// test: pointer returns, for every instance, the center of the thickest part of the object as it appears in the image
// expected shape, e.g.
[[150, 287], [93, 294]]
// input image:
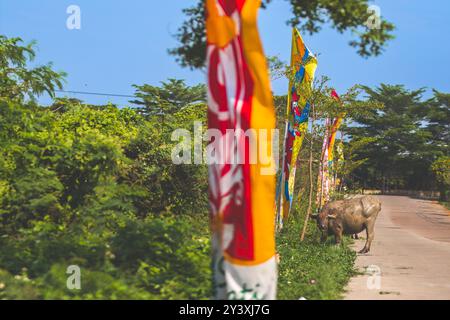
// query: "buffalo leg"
[[323, 237], [370, 234], [365, 250], [338, 235]]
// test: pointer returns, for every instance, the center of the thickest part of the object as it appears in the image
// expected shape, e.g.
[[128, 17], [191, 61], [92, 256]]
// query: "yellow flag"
[[303, 68]]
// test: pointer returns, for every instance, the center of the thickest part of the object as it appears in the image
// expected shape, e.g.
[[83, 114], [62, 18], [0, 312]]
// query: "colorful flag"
[[241, 192], [334, 129], [323, 181], [338, 165], [327, 172], [303, 66]]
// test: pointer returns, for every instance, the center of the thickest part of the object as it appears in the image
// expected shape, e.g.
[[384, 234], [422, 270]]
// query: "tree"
[[17, 81], [437, 115], [441, 168], [308, 15], [400, 154], [169, 98]]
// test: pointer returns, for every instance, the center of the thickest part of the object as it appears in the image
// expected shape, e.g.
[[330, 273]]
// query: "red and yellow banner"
[[334, 129], [323, 179], [327, 174], [241, 192], [303, 66]]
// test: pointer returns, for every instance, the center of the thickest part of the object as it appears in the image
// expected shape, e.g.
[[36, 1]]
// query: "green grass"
[[445, 204], [310, 269]]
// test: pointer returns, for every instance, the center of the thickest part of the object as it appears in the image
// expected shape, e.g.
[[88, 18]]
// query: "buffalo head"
[[322, 219]]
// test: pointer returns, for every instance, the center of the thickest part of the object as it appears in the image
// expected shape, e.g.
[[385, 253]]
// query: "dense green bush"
[[156, 258], [95, 187]]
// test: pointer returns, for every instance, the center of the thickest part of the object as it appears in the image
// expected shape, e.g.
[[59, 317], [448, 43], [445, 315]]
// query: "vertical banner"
[[327, 171], [303, 68], [241, 174], [334, 129], [322, 184], [332, 166], [338, 165]]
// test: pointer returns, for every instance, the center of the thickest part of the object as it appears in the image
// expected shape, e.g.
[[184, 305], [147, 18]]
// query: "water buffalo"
[[349, 217]]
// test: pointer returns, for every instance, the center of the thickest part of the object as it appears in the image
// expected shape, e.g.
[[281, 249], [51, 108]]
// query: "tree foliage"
[[441, 169], [408, 135], [17, 80], [169, 98], [308, 15], [92, 187], [437, 115]]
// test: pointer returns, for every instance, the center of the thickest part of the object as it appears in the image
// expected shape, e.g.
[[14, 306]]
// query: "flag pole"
[[281, 180], [283, 177]]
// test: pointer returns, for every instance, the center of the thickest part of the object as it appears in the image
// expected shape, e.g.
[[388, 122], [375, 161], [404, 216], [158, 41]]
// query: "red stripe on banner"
[[237, 212]]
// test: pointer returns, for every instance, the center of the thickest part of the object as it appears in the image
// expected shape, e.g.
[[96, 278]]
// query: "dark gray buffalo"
[[349, 217]]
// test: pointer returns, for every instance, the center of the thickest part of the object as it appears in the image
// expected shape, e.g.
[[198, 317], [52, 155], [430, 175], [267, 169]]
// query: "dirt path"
[[410, 256]]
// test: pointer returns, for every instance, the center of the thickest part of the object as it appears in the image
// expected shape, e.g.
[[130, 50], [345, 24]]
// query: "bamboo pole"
[[279, 215]]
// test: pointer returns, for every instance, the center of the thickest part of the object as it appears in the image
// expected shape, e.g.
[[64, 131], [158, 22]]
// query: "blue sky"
[[125, 42]]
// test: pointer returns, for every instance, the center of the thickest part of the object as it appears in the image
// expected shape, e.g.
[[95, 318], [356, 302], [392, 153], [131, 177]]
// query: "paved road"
[[410, 256]]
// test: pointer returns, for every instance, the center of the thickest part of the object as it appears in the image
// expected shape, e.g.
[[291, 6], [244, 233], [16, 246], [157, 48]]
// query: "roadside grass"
[[445, 204], [309, 269]]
